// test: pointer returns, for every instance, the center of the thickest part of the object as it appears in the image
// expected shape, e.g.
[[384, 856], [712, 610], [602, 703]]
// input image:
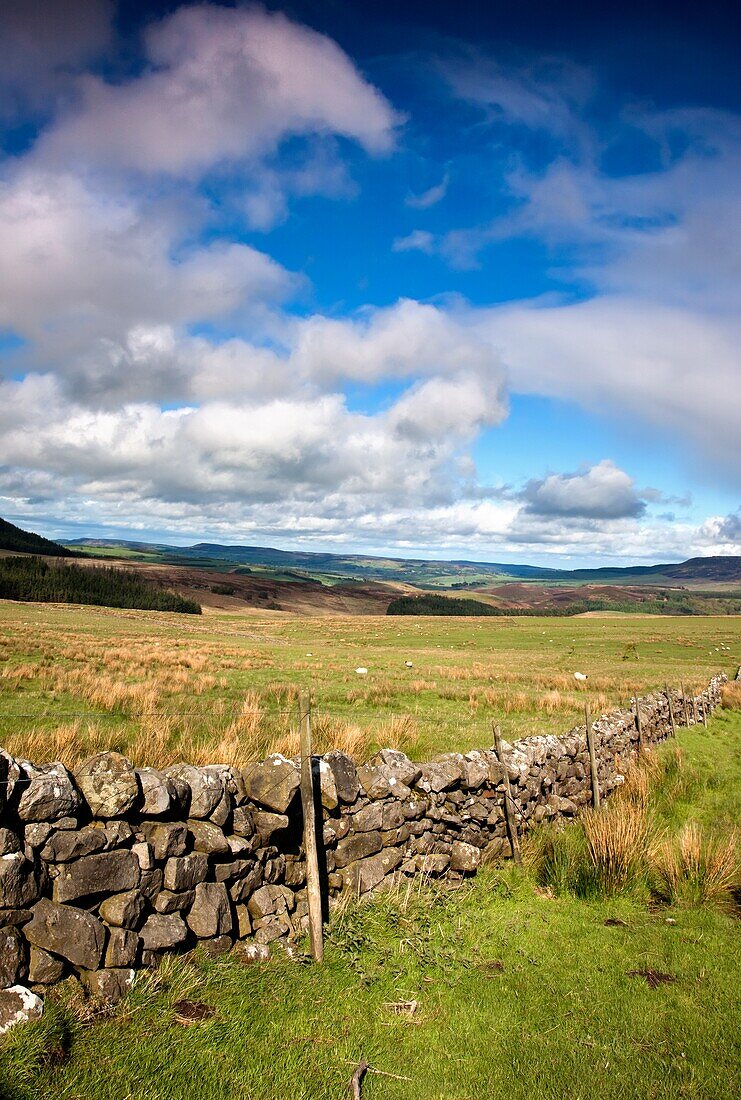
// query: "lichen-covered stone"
[[108, 986], [109, 784], [122, 947], [185, 872], [163, 930], [18, 1005], [9, 842], [266, 824], [12, 956], [50, 794], [206, 786], [157, 792], [64, 930], [210, 914], [208, 837], [103, 873], [272, 782], [61, 847], [44, 968], [464, 857], [345, 775], [123, 910], [18, 883], [357, 846]]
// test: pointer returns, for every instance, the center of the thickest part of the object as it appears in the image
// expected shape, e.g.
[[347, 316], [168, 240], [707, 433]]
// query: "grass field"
[[222, 687], [519, 993]]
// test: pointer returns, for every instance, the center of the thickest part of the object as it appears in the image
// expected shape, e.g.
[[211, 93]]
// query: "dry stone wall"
[[104, 869]]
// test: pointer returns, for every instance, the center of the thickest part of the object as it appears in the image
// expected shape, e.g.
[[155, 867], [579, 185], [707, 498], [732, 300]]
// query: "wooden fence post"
[[684, 706], [313, 885], [509, 808], [592, 759], [694, 708], [671, 710], [704, 711]]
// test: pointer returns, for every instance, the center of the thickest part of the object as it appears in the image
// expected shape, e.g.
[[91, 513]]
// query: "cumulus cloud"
[[45, 46], [601, 492], [221, 84]]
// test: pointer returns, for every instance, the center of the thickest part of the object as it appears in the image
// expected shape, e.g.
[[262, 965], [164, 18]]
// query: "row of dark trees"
[[671, 602], [32, 578]]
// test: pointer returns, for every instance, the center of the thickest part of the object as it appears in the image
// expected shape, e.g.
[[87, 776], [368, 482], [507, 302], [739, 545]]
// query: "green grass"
[[519, 995], [465, 673]]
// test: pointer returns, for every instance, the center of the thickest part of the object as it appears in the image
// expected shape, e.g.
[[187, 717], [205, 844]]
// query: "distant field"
[[222, 686]]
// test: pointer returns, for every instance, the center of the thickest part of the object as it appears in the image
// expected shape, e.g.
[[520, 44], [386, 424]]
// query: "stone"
[[327, 786], [106, 872], [433, 863], [163, 930], [374, 781], [249, 953], [397, 765], [144, 855], [266, 824], [345, 775], [122, 947], [366, 874], [9, 842], [108, 986], [44, 968], [157, 792], [208, 838], [393, 816], [18, 1005], [151, 882], [368, 819], [184, 872], [50, 794], [18, 884], [221, 814], [63, 930], [272, 928], [10, 773], [241, 890], [442, 774], [109, 784], [206, 787], [218, 945], [464, 857], [357, 846], [273, 782], [475, 768], [169, 902], [210, 914], [12, 956], [242, 823], [270, 899], [36, 833], [168, 838], [123, 910], [64, 846], [244, 922]]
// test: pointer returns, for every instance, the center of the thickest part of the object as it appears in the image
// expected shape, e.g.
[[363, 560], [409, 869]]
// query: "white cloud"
[[419, 240], [601, 492], [431, 196], [221, 85], [45, 44]]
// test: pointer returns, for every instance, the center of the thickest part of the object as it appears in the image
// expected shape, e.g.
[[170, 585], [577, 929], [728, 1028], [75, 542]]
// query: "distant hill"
[[25, 542], [421, 572]]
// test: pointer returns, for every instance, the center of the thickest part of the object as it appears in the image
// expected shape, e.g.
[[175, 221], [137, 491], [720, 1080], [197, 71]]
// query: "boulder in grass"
[[108, 986], [464, 857], [109, 784], [18, 1005]]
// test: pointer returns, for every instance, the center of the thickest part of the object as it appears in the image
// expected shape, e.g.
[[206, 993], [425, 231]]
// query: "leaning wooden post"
[[695, 715], [704, 711], [671, 710], [592, 758], [684, 706], [313, 885], [509, 807]]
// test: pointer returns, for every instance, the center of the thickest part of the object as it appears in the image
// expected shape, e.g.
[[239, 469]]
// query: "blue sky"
[[421, 278]]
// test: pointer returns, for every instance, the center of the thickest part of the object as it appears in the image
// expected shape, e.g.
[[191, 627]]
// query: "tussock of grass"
[[695, 868]]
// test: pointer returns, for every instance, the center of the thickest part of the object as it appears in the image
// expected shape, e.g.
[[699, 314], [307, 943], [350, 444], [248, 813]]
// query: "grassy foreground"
[[518, 994], [162, 687]]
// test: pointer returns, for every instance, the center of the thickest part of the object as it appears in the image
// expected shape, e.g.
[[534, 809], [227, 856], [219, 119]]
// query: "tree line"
[[34, 579]]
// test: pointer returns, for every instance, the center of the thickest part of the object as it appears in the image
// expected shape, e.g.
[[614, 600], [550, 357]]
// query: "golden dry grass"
[[696, 867]]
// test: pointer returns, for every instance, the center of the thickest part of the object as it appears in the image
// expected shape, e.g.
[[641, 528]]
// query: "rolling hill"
[[19, 541]]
